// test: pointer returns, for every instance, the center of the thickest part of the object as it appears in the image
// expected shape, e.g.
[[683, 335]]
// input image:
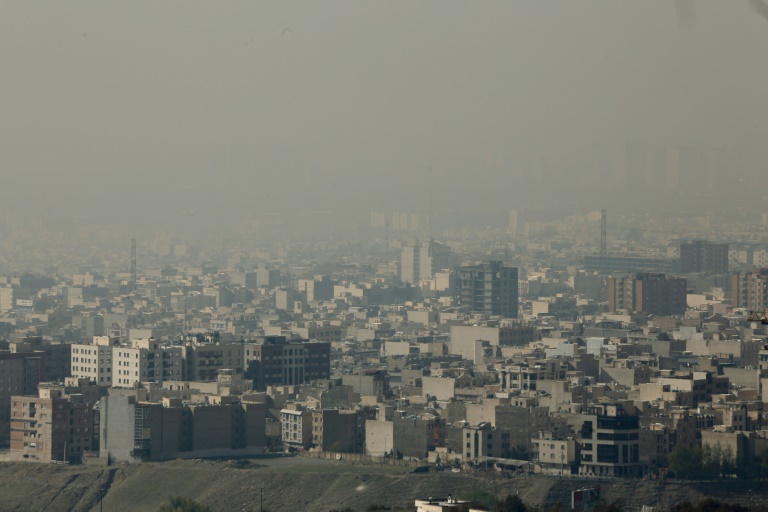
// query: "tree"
[[512, 503], [179, 504], [519, 452], [685, 462]]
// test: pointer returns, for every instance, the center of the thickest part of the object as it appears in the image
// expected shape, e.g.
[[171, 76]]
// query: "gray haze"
[[118, 112]]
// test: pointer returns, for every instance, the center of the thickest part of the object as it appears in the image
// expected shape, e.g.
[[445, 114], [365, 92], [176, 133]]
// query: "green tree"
[[519, 452], [686, 463], [512, 503], [179, 504]]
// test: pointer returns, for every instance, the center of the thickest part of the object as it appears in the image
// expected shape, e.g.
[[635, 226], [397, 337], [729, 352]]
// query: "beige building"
[[483, 441], [57, 425], [552, 455]]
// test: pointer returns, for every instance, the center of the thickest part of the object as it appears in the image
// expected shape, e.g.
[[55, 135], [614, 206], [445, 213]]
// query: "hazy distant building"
[[703, 256], [610, 263], [317, 289], [588, 285], [489, 288], [750, 289], [654, 294], [421, 261], [6, 298]]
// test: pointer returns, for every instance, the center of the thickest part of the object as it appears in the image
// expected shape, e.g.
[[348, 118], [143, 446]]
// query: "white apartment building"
[[92, 362], [296, 423], [146, 360]]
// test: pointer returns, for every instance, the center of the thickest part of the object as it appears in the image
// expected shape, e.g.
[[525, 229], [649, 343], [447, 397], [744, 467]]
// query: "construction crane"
[[758, 316]]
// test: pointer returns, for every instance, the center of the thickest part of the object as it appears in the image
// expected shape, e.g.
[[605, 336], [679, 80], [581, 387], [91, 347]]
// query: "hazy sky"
[[358, 105]]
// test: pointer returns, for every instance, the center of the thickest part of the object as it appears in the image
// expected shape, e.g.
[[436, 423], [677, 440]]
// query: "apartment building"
[[702, 385], [279, 362], [490, 288], [20, 374], [652, 294], [57, 355], [296, 423], [146, 360], [750, 289], [134, 430], [526, 376], [553, 455], [703, 256], [610, 442], [57, 425], [204, 360], [339, 430], [93, 361], [478, 442]]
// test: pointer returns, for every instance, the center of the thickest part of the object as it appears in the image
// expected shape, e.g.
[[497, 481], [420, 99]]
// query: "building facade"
[[490, 288], [653, 294], [703, 256], [279, 362]]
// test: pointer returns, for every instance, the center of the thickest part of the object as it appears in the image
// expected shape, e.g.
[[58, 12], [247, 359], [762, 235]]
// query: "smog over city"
[[501, 217]]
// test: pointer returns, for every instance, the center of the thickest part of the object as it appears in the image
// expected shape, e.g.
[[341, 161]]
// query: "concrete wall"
[[117, 415], [379, 437]]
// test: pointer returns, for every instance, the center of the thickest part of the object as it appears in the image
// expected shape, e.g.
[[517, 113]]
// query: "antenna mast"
[[603, 234], [133, 263]]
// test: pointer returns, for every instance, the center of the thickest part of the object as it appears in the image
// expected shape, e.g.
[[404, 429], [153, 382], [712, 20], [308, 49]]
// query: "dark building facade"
[[703, 256], [415, 437], [653, 294], [750, 289], [489, 288], [278, 362]]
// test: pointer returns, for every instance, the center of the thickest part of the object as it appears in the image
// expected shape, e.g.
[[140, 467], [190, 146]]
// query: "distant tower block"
[[512, 229], [133, 262], [603, 234]]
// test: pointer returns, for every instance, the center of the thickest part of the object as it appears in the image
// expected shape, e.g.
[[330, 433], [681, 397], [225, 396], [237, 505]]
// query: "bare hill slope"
[[297, 484]]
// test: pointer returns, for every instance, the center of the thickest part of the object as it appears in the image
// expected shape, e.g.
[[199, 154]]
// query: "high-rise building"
[[488, 288], [653, 294], [703, 256], [421, 261], [750, 289]]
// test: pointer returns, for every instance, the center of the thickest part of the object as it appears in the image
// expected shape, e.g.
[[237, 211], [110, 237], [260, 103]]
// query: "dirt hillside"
[[296, 484]]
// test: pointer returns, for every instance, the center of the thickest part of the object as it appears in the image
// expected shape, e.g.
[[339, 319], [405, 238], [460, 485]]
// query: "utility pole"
[[261, 498]]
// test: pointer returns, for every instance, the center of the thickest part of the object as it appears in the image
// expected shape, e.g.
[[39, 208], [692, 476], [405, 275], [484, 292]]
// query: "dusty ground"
[[298, 484]]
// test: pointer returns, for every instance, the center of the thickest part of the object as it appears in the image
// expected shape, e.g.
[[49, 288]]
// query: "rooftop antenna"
[[386, 250], [133, 263], [603, 234]]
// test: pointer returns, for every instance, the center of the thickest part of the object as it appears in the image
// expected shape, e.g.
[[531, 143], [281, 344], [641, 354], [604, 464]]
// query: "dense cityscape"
[[334, 256], [560, 347]]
